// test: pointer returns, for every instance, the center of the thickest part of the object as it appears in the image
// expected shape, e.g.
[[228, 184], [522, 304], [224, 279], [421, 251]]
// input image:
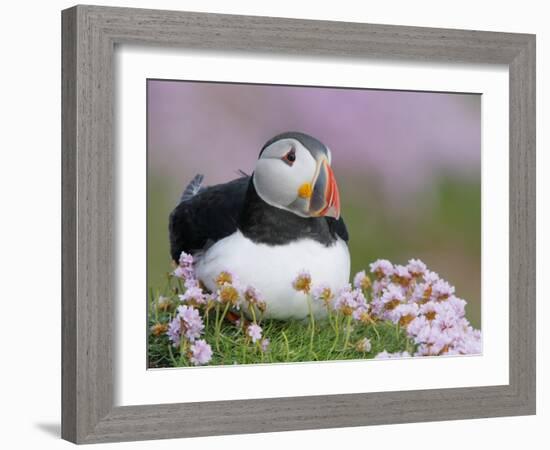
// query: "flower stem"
[[219, 324], [171, 354], [348, 332], [312, 323], [259, 345], [330, 316], [219, 321], [216, 331], [375, 328], [336, 331], [183, 348], [155, 304], [287, 346], [251, 307], [206, 317], [243, 355]]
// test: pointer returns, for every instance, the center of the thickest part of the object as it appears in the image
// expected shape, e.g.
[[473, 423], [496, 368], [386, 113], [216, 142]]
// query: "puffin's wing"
[[338, 227], [208, 215]]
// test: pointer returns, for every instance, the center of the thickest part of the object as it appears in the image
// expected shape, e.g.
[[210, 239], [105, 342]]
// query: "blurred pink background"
[[403, 138]]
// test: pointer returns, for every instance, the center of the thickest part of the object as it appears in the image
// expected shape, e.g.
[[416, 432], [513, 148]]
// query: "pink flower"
[[191, 283], [441, 290], [403, 313], [173, 332], [430, 277], [386, 355], [186, 260], [381, 268], [361, 280], [302, 282], [191, 322], [392, 296], [226, 277], [440, 343], [469, 343], [322, 292], [349, 300], [361, 313], [193, 294], [187, 322], [201, 352], [446, 319], [378, 286], [254, 331], [416, 267], [181, 272], [363, 346], [185, 268], [429, 310], [420, 325], [264, 343], [252, 295], [458, 305], [228, 293], [401, 273]]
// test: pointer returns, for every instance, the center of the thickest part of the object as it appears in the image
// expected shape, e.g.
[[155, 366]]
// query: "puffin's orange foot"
[[232, 317], [235, 318]]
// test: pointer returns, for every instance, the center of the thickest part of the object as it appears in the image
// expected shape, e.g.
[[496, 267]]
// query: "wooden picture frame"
[[90, 34]]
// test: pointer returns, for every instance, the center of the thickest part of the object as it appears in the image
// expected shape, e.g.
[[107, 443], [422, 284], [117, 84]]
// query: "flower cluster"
[[193, 294], [364, 345], [412, 297], [185, 267], [186, 328], [425, 305], [302, 282], [417, 301], [187, 324], [201, 353], [255, 332], [386, 355], [348, 301]]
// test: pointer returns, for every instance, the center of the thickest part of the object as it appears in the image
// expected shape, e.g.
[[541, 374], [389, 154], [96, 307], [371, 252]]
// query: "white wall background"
[[30, 206]]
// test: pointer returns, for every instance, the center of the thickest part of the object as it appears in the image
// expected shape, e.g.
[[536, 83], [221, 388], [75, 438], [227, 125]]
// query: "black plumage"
[[216, 212], [314, 146]]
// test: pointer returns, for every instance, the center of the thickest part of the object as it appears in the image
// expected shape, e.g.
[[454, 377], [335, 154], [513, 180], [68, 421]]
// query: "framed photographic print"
[[279, 224]]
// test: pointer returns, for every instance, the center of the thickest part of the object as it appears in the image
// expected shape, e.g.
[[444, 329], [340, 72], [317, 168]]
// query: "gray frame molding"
[[89, 36]]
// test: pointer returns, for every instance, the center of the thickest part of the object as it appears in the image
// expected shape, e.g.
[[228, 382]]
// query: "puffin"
[[268, 227]]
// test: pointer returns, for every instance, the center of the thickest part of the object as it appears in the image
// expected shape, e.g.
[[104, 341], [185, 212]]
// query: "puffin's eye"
[[290, 157]]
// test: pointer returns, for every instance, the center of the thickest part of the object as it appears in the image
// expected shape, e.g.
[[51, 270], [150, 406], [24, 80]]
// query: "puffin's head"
[[293, 173]]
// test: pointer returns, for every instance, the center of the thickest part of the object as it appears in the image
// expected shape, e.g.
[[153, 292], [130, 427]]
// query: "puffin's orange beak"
[[325, 200], [332, 195]]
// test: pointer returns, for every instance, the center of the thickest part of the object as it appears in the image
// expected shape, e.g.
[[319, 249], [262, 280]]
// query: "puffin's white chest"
[[272, 269]]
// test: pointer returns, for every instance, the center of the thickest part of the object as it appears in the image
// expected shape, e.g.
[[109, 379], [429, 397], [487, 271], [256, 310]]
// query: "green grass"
[[290, 341]]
